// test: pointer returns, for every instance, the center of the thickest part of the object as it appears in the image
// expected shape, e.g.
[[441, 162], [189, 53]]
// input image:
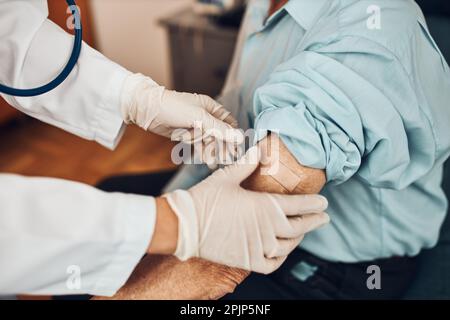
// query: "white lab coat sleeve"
[[33, 52], [60, 237]]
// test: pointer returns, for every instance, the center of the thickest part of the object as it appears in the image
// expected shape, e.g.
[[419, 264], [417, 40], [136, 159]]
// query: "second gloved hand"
[[162, 111], [221, 222]]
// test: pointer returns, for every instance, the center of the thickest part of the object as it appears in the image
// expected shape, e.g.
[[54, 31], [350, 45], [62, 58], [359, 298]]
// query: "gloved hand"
[[221, 222], [162, 111]]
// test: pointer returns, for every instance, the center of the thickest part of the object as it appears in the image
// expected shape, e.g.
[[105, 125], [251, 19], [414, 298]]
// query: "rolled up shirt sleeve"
[[348, 108]]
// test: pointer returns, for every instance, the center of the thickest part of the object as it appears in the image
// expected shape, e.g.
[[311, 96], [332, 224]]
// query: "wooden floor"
[[32, 148]]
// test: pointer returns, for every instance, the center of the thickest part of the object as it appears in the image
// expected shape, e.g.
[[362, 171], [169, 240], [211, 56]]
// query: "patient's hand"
[[167, 278], [158, 277]]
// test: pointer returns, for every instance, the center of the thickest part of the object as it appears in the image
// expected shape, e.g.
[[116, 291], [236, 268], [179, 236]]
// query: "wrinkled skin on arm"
[[167, 278], [164, 277]]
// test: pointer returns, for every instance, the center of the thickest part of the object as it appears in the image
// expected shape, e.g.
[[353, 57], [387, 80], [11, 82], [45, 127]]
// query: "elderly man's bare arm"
[[164, 277], [167, 278], [281, 173]]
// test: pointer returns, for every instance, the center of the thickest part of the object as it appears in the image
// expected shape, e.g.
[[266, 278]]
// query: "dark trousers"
[[321, 279], [328, 280]]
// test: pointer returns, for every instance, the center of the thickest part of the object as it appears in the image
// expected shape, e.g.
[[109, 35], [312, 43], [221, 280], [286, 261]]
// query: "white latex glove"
[[224, 223], [162, 111]]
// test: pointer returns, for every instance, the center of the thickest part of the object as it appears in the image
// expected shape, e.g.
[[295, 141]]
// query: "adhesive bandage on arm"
[[280, 172], [286, 177]]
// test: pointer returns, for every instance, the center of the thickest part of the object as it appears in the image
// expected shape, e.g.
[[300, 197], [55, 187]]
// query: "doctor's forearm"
[[87, 104], [103, 235], [165, 234]]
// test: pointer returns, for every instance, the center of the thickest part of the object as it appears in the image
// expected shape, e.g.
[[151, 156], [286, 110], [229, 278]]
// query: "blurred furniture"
[[201, 52], [433, 281], [58, 14]]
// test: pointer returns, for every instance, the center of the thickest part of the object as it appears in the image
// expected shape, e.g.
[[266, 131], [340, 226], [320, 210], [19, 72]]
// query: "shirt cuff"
[[110, 124], [139, 222]]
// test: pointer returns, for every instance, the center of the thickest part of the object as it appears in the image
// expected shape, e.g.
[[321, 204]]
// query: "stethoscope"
[[67, 69]]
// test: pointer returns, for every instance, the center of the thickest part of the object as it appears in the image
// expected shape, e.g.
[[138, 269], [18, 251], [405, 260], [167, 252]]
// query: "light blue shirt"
[[370, 106]]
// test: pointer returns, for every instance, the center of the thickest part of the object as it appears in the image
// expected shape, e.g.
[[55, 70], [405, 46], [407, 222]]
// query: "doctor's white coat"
[[56, 236]]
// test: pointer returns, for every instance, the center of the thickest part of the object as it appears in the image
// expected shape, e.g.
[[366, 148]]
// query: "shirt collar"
[[304, 12]]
